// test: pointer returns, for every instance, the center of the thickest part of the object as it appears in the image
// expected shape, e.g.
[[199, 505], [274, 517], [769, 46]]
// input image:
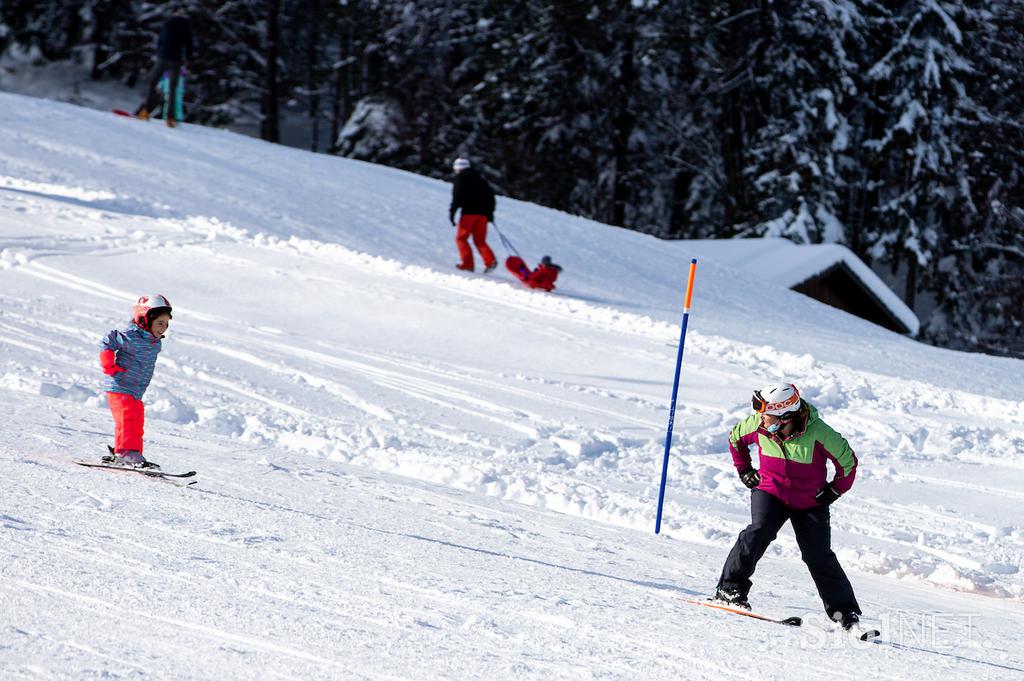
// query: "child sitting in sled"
[[543, 277]]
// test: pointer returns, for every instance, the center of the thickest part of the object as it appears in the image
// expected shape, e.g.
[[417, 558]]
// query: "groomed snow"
[[411, 473]]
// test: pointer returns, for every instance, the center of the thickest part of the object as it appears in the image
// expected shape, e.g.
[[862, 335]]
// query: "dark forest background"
[[895, 128]]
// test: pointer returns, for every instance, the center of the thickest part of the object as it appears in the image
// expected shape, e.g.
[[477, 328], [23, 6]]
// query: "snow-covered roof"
[[789, 264]]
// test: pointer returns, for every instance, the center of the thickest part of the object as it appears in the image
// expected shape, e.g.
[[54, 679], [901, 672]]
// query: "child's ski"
[[151, 472], [110, 458], [170, 478], [788, 621]]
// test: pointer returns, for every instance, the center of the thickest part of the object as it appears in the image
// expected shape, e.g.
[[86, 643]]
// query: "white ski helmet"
[[148, 307], [460, 163], [776, 399]]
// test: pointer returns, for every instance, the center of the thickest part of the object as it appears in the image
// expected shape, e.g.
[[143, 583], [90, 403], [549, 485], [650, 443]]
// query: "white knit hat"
[[460, 163]]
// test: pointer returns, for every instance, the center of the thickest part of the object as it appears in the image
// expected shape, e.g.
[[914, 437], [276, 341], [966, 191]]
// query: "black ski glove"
[[826, 496], [451, 218], [750, 478]]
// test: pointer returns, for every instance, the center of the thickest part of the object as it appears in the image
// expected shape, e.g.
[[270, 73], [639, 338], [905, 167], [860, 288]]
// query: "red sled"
[[543, 277]]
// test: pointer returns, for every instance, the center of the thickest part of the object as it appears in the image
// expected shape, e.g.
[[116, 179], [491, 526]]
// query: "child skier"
[[128, 358]]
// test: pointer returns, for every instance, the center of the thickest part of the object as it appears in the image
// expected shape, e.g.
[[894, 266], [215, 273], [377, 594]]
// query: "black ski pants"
[[813, 536], [153, 93]]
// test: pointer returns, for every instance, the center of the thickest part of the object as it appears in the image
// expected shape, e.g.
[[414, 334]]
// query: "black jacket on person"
[[175, 43], [472, 194]]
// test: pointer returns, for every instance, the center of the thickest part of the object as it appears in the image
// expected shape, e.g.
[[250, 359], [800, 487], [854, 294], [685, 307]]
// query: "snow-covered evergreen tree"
[[980, 267], [801, 164], [923, 185], [570, 96]]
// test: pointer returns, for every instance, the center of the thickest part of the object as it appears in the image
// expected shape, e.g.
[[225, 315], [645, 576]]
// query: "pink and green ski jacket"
[[793, 469]]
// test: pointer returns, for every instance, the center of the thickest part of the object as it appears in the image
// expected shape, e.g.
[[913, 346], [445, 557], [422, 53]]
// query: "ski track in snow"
[[469, 408]]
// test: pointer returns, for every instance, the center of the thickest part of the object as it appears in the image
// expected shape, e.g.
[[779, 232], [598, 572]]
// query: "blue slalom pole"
[[675, 393]]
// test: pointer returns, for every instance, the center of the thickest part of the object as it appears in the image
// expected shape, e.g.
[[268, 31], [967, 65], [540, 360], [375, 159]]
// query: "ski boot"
[[847, 620], [128, 458], [731, 597]]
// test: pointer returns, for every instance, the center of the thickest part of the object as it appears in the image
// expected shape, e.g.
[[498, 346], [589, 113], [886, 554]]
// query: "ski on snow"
[[150, 472], [788, 621], [859, 633], [864, 634]]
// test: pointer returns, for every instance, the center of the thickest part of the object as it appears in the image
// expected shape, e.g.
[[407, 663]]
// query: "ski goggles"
[[787, 416], [763, 406]]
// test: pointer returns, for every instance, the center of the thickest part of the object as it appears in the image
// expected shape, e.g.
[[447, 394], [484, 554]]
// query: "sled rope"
[[505, 242]]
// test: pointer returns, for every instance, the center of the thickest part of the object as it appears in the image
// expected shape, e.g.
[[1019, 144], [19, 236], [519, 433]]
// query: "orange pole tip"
[[689, 284]]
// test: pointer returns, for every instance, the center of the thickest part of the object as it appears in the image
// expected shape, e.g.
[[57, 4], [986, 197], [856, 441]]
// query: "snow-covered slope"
[[408, 472]]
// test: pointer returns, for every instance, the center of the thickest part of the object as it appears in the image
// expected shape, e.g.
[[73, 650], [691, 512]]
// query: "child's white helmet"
[[148, 307]]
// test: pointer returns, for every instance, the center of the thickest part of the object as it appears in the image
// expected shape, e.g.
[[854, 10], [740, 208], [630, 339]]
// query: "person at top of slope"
[[174, 50], [794, 445], [128, 358], [474, 196]]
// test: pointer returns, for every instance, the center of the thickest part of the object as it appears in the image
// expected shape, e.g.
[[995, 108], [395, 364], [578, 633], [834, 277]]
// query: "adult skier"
[[174, 50], [794, 445], [474, 196]]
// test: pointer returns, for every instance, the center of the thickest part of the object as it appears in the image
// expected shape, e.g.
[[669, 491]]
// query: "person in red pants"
[[128, 358], [472, 194]]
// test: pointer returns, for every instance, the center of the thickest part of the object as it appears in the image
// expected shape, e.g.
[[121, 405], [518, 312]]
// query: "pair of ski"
[[860, 634], [153, 471]]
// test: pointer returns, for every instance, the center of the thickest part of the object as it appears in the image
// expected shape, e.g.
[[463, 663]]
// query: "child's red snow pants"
[[129, 417]]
